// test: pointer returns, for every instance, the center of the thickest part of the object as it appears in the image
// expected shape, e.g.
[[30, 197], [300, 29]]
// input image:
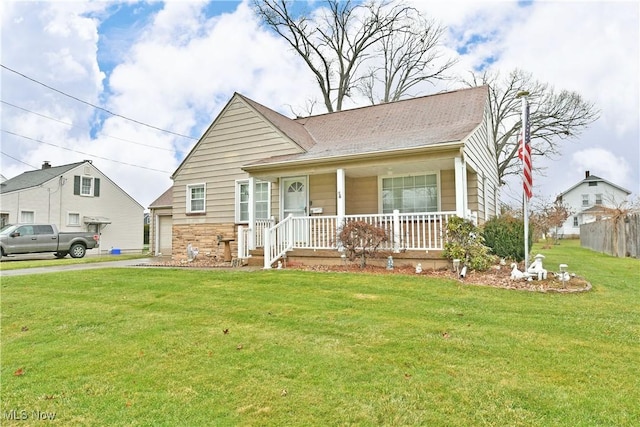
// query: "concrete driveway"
[[59, 268]]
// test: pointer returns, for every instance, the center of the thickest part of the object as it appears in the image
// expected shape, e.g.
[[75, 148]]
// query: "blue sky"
[[175, 64]]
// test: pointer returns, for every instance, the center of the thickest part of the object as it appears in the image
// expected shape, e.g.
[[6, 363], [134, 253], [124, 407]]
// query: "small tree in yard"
[[465, 243], [361, 240], [547, 218]]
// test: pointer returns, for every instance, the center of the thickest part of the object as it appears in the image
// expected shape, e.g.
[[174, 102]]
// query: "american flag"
[[524, 153]]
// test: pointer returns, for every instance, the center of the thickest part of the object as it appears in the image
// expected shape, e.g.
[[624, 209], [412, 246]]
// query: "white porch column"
[[461, 187], [340, 195], [396, 231], [251, 240]]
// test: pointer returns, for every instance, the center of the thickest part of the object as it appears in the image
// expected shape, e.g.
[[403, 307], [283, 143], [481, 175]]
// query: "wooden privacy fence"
[[618, 237]]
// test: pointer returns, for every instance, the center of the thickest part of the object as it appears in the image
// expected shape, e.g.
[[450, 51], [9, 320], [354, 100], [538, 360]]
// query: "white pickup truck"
[[38, 238]]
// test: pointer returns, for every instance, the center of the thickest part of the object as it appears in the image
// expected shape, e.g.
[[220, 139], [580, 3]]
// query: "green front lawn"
[[147, 347]]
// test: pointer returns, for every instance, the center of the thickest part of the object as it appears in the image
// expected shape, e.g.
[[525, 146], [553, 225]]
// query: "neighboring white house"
[[586, 201], [74, 197]]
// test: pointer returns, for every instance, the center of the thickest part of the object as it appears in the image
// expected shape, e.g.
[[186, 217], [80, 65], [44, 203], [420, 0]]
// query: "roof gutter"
[[440, 147]]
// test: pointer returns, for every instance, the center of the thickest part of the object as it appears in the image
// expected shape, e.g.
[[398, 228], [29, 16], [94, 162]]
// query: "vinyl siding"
[[54, 200], [611, 197], [447, 190], [237, 137], [362, 195], [480, 157], [322, 193]]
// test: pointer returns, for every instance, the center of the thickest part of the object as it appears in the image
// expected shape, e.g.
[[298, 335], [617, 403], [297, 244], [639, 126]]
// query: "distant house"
[[74, 197], [588, 200], [272, 186]]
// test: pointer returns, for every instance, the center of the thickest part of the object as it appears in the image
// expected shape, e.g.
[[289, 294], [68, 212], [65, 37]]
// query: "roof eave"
[[444, 146]]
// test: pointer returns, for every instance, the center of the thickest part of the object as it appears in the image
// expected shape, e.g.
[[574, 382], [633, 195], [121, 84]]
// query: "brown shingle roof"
[[289, 127], [411, 123], [165, 199]]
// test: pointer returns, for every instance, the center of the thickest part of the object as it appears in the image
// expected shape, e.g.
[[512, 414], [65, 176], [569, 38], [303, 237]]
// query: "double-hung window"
[[73, 218], [27, 217], [585, 200], [86, 186], [260, 199], [196, 198], [410, 193]]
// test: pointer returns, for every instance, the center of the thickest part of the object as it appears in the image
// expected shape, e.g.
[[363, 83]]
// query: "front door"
[[294, 202]]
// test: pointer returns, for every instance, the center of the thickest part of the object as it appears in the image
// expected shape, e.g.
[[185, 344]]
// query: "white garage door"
[[164, 231]]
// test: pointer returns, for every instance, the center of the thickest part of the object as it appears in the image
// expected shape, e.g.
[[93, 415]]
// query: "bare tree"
[[553, 116], [338, 41], [547, 217], [409, 56]]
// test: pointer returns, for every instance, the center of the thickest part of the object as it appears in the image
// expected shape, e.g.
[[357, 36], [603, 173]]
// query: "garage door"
[[164, 231]]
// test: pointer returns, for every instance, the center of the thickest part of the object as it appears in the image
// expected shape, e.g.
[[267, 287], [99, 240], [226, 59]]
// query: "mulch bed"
[[497, 276]]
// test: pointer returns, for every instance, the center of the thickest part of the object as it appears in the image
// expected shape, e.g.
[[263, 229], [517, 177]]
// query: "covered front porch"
[[410, 198]]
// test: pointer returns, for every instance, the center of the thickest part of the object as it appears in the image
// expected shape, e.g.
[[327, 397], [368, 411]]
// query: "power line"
[[17, 160], [84, 128], [95, 106], [81, 152]]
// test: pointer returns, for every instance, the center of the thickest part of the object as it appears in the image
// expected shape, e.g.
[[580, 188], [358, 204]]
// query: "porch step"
[[431, 260]]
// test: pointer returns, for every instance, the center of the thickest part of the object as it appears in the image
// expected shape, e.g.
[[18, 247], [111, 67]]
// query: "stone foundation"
[[205, 238]]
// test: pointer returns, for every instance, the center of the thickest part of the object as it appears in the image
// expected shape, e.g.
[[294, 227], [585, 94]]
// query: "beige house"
[[75, 197], [271, 187]]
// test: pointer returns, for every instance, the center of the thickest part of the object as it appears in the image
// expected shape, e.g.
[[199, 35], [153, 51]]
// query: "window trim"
[[189, 200], [426, 173], [90, 193], [238, 185], [33, 213], [585, 200], [69, 223], [94, 189]]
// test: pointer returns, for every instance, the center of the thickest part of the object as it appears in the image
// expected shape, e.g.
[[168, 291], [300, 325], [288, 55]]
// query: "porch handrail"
[[278, 240], [407, 231], [243, 242]]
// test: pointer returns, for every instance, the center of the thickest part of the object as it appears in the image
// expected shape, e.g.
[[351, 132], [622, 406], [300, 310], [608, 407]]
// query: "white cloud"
[[603, 163], [177, 68]]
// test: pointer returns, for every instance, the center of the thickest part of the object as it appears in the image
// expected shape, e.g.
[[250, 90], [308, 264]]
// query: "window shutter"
[[76, 185], [96, 187]]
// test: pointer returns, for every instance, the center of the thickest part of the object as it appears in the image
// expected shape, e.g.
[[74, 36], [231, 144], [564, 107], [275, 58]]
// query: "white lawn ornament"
[[515, 273], [192, 253], [418, 268], [536, 268], [564, 275]]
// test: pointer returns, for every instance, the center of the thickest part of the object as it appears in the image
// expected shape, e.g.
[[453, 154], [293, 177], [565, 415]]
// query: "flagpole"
[[525, 200]]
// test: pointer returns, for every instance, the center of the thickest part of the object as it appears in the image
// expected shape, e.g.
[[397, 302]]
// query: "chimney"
[[46, 165], [586, 174]]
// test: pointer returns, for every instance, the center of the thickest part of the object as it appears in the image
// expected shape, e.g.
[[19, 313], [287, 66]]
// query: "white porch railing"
[[408, 231], [244, 245]]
